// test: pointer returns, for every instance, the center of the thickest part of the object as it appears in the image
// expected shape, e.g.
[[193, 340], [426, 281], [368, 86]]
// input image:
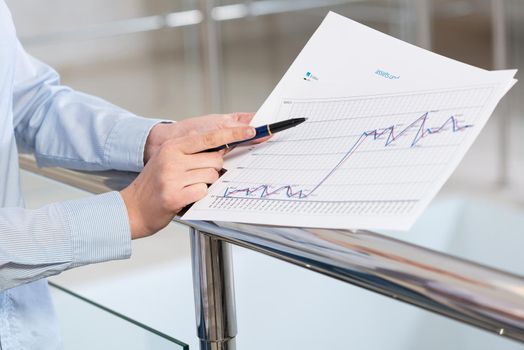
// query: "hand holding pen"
[[263, 131]]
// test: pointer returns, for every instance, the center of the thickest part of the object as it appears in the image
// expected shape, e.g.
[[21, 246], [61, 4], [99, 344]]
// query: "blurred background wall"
[[181, 58]]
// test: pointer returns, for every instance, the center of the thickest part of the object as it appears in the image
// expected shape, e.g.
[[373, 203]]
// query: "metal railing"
[[196, 16], [471, 293]]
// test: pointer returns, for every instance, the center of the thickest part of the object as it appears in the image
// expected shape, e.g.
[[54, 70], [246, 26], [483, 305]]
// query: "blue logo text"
[[386, 75]]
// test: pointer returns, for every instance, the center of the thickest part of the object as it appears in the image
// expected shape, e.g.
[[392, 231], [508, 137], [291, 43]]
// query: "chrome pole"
[[500, 61], [423, 20], [212, 53], [413, 21], [214, 291]]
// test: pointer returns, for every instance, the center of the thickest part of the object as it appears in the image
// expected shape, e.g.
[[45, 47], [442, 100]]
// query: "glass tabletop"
[[88, 325]]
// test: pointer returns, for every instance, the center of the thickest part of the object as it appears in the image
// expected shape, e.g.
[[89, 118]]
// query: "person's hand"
[[175, 176], [161, 133]]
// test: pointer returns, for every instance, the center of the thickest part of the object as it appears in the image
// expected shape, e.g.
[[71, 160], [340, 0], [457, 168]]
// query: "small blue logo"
[[386, 75], [309, 76]]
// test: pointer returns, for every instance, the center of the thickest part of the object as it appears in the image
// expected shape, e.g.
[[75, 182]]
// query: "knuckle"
[[169, 148], [201, 191], [177, 158], [168, 145], [182, 200], [220, 162], [231, 116], [237, 133], [218, 158], [192, 194], [213, 175], [198, 191], [178, 203], [177, 199], [215, 160], [209, 139]]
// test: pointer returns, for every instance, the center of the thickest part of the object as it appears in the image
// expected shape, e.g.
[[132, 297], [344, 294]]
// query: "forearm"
[[67, 128], [78, 131], [44, 242]]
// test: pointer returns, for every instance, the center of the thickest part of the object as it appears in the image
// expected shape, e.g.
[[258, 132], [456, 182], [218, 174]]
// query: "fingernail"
[[250, 132]]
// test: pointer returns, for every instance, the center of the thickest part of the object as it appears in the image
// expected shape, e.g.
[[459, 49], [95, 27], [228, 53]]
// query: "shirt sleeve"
[[67, 128], [44, 242]]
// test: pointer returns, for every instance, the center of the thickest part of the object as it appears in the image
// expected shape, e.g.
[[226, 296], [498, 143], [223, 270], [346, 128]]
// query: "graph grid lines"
[[361, 155]]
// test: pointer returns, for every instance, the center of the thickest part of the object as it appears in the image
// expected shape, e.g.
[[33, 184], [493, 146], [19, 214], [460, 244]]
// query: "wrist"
[[157, 136], [150, 146], [136, 224]]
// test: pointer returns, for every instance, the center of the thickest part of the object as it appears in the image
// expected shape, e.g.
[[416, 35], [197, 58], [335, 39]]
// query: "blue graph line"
[[423, 131]]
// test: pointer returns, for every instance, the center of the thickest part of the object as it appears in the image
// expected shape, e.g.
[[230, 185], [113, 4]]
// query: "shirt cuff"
[[99, 228], [125, 145]]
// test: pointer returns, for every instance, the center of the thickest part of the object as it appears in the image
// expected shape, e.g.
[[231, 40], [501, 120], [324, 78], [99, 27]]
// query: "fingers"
[[212, 160], [244, 118], [198, 143], [194, 193], [263, 139], [254, 142], [205, 176]]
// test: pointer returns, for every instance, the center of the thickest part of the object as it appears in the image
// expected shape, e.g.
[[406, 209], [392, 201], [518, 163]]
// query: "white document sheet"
[[387, 124]]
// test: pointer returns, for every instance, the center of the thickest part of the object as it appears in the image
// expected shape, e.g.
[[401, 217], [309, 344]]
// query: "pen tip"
[[298, 120]]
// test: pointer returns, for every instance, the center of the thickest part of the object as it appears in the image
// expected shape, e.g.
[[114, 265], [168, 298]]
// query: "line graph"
[[265, 190], [373, 148], [356, 160]]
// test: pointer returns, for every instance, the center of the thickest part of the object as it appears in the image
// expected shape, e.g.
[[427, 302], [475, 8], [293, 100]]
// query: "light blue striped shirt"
[[63, 128]]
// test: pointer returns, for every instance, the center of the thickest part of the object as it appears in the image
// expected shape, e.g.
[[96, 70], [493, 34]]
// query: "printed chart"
[[364, 157]]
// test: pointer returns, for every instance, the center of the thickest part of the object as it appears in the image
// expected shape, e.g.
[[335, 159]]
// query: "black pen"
[[263, 131]]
